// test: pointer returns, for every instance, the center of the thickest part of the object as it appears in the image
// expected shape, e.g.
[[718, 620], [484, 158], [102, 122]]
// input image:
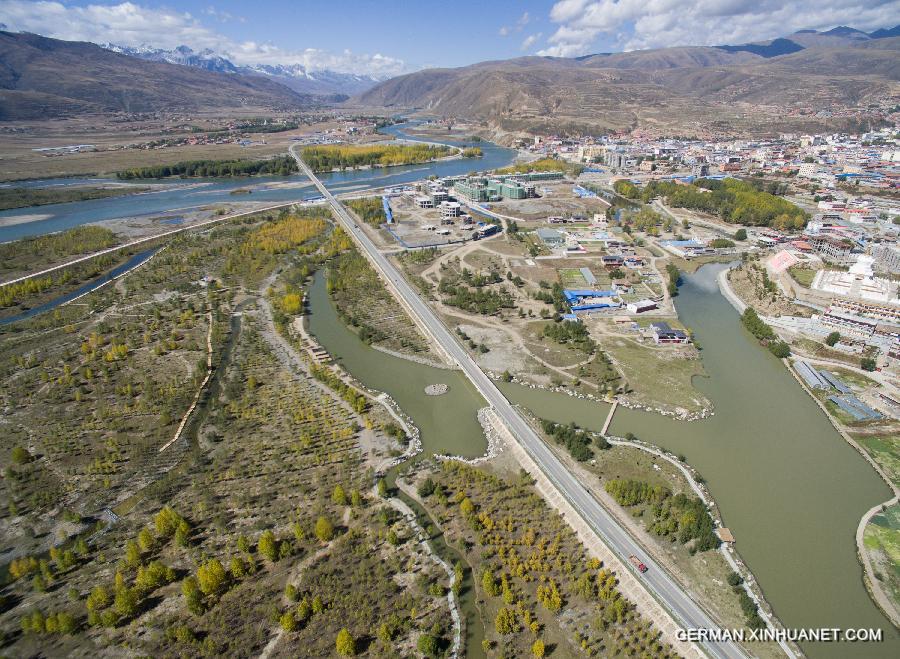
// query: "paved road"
[[679, 604]]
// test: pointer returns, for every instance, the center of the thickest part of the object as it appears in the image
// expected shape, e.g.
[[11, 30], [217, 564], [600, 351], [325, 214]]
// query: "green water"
[[787, 484], [447, 423]]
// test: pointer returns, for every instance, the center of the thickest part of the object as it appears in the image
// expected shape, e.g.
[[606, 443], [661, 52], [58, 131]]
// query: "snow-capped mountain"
[[294, 76]]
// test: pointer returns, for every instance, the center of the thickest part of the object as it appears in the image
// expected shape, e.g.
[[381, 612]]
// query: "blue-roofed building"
[[834, 382], [855, 407], [579, 297], [811, 376]]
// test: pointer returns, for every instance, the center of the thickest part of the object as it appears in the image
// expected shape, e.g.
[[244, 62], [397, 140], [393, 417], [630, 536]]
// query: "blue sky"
[[388, 37]]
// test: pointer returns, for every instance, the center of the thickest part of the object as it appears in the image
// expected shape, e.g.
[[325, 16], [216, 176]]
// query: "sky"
[[389, 37]]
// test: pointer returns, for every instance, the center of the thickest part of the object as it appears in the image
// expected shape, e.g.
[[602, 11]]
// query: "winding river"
[[182, 195]]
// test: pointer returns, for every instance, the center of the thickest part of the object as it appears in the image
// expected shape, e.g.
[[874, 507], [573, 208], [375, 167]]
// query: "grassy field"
[[572, 278], [658, 377], [882, 533], [882, 540], [556, 354], [803, 276]]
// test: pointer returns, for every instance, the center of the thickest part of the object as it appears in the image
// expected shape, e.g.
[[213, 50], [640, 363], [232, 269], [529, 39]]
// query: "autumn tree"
[[324, 529], [192, 595], [338, 496], [345, 644], [267, 546], [211, 577], [288, 621]]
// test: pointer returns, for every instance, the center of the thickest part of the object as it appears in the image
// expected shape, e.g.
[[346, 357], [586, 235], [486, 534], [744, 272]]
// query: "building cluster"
[[478, 189], [830, 161]]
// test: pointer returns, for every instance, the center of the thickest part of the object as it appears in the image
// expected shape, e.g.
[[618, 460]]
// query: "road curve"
[[685, 611]]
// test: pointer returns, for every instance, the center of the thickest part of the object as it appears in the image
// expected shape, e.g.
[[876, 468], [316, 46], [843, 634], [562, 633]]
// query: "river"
[[787, 484], [133, 262], [183, 195]]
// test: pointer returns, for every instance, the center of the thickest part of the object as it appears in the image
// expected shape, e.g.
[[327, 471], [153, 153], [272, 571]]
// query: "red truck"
[[637, 563]]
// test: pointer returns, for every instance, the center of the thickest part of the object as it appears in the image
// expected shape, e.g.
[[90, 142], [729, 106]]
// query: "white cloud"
[[518, 26], [530, 40], [636, 24], [131, 24]]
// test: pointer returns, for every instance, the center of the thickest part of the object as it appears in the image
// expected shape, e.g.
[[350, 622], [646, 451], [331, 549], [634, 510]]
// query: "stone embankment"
[[490, 424], [682, 415]]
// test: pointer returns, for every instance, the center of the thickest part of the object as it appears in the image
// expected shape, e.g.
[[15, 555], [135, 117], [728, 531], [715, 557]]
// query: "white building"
[[450, 209]]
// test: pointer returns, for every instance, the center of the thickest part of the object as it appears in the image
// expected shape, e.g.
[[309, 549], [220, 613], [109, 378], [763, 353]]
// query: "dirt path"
[[292, 577], [419, 533]]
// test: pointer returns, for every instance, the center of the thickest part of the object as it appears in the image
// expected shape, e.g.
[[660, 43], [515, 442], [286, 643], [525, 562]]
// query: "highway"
[[683, 609]]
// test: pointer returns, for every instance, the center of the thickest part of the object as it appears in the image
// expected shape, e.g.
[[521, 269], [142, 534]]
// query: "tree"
[[466, 507], [237, 568], [338, 496], [126, 602], [211, 577], [288, 621], [324, 529], [385, 635], [505, 622], [132, 554], [267, 546], [867, 364], [426, 487], [192, 595], [780, 349], [537, 648], [243, 544], [427, 645], [382, 488], [344, 643], [740, 234], [489, 583], [167, 522], [65, 622], [20, 455], [146, 539], [98, 599], [833, 338], [183, 534]]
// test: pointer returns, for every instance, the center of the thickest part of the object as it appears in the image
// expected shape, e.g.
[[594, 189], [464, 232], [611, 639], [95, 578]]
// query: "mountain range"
[[811, 81], [295, 76], [45, 78], [807, 81]]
